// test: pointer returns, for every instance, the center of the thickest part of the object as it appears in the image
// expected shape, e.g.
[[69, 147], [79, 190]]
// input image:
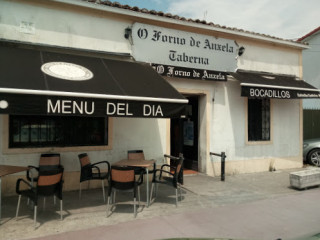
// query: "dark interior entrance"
[[184, 134]]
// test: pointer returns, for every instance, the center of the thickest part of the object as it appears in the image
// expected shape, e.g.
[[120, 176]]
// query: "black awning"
[[267, 85], [49, 83]]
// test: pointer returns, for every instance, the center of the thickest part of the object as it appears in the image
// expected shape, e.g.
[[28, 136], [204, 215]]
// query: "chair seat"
[[35, 179], [29, 193], [102, 175], [139, 170], [165, 180]]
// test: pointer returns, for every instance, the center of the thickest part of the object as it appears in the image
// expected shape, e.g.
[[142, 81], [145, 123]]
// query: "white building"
[[257, 135], [311, 74], [311, 71]]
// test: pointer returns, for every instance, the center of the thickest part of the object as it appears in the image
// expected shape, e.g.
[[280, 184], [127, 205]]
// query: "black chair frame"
[[124, 186], [174, 178], [87, 173], [50, 186], [30, 176]]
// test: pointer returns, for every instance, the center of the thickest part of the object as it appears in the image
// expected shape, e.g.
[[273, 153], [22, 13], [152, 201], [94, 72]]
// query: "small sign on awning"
[[267, 85]]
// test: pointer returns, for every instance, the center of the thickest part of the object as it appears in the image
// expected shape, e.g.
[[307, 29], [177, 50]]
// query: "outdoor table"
[[6, 170], [138, 163]]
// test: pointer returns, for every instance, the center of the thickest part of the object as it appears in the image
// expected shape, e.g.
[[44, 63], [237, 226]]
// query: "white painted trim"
[[278, 87], [90, 95]]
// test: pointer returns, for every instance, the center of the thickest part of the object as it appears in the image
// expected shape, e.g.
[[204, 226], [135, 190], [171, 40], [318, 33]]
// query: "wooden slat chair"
[[137, 155], [48, 161], [49, 183], [123, 179], [172, 177]]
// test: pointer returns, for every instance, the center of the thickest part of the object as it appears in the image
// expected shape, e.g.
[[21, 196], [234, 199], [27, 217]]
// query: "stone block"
[[306, 178]]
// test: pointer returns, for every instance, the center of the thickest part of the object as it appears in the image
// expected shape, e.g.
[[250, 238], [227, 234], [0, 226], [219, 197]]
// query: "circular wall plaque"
[[4, 104], [67, 71]]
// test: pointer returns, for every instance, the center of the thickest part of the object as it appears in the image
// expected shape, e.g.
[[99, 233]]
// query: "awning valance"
[[49, 83], [267, 85]]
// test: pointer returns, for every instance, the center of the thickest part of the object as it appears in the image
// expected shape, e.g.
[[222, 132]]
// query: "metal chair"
[[123, 179], [173, 177], [48, 161], [137, 155], [49, 183], [88, 174]]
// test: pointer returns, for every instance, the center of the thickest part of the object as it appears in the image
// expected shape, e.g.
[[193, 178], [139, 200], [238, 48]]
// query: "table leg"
[[147, 185]]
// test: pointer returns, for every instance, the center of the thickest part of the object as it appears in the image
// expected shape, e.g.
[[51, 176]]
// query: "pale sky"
[[288, 19]]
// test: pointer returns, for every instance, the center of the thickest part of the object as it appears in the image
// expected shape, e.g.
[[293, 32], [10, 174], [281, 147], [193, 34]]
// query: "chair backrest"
[[50, 182], [136, 155], [84, 159], [49, 161], [86, 169], [122, 178]]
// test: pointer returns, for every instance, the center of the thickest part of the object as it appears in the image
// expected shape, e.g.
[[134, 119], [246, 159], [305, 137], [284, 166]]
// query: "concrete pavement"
[[246, 206]]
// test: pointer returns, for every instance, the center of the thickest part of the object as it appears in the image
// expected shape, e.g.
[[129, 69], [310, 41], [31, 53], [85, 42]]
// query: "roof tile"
[[169, 15]]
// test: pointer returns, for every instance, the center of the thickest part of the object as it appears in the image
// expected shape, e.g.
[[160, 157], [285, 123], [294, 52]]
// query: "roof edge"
[[117, 8], [309, 34]]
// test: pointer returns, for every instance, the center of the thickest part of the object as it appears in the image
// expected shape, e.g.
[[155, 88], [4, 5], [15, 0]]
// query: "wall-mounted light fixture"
[[241, 51], [128, 34]]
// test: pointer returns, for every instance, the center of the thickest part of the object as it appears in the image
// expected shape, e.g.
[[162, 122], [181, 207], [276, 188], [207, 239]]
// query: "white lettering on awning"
[[70, 107]]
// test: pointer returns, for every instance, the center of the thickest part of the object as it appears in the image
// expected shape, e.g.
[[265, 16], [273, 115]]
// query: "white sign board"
[[178, 48]]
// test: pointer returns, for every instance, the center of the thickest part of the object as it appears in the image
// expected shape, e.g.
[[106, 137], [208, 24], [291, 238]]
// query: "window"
[[259, 119], [52, 131]]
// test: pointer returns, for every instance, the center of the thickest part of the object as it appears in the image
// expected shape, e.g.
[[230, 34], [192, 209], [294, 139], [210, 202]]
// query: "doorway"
[[184, 134]]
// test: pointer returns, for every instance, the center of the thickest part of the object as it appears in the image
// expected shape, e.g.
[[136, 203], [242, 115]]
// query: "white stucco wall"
[[60, 25], [284, 122], [311, 68], [139, 133], [268, 58], [311, 59], [229, 128]]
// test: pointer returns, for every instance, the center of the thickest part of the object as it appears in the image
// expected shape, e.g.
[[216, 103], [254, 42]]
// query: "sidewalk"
[[246, 206]]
